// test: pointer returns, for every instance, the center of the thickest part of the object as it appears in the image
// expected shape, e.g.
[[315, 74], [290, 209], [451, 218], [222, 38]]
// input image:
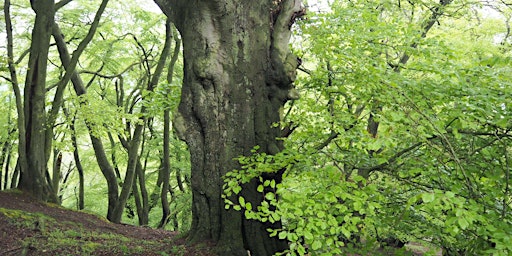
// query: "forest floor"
[[28, 227]]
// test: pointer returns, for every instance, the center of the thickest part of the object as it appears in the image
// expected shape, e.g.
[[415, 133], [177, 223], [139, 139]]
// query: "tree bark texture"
[[238, 73], [33, 160]]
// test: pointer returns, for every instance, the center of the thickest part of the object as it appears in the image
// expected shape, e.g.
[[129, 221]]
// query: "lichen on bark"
[[238, 73]]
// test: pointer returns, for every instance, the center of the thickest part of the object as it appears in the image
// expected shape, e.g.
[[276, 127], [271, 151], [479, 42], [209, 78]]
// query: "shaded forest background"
[[402, 131]]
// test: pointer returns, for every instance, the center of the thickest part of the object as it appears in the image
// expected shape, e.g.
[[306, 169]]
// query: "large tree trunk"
[[32, 154], [238, 73]]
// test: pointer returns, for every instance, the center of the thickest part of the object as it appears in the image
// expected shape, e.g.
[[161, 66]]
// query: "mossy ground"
[[28, 227]]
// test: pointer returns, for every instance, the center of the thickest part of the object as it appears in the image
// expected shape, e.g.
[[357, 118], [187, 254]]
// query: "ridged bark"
[[238, 73]]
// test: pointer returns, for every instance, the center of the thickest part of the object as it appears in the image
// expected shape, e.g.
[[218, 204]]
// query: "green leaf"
[[283, 234], [463, 223], [428, 197], [308, 235], [345, 231], [316, 245]]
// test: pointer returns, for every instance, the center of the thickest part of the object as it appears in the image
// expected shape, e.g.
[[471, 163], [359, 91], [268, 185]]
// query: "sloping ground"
[[28, 227]]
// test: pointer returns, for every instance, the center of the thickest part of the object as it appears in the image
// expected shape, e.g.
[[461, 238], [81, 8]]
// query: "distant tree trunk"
[[142, 198], [5, 158], [133, 145], [32, 154], [81, 185], [17, 94], [238, 73], [157, 190], [166, 165], [141, 177], [7, 168], [56, 174], [138, 202], [78, 163], [113, 152], [15, 175], [99, 150], [5, 155]]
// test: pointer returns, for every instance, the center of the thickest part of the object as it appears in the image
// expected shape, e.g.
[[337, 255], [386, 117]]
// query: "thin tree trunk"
[[166, 167], [6, 169], [165, 171], [134, 143], [78, 163], [138, 203], [57, 176], [15, 175], [2, 158], [155, 195], [19, 105], [99, 150], [5, 157], [70, 70], [113, 158], [6, 149], [141, 198], [143, 204], [144, 218]]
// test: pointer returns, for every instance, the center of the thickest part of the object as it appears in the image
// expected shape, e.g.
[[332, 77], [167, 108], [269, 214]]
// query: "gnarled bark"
[[238, 72]]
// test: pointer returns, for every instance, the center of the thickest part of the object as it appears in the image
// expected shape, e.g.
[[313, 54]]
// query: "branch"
[[480, 133], [436, 13], [61, 4], [324, 144], [284, 63], [394, 158], [22, 56], [97, 73], [71, 64]]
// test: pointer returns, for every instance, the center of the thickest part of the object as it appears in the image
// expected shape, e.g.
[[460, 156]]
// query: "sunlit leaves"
[[437, 167]]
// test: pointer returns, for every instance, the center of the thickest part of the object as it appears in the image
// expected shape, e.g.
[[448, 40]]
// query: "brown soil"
[[28, 227]]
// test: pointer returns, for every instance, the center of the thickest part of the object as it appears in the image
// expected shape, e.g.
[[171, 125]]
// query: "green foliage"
[[436, 171]]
